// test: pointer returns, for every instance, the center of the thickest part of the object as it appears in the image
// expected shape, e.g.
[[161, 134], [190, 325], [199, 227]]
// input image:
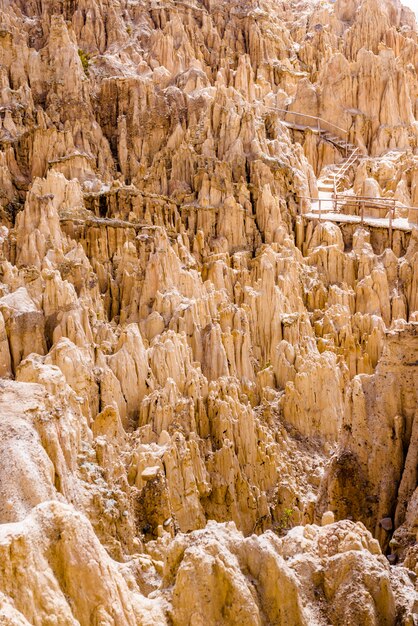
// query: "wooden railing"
[[339, 175], [361, 203], [320, 123]]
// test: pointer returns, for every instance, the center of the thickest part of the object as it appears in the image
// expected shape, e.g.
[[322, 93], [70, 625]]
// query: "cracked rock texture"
[[208, 404]]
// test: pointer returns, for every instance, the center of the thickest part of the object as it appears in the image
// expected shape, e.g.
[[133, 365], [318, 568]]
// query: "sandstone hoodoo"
[[208, 313]]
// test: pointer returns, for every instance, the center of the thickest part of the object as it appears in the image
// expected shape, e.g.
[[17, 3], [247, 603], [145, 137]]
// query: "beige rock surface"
[[208, 405]]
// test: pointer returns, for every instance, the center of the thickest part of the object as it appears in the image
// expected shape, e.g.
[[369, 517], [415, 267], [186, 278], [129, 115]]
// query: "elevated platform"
[[399, 223]]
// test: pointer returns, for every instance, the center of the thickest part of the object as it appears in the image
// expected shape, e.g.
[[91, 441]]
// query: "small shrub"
[[129, 29], [285, 521], [85, 61]]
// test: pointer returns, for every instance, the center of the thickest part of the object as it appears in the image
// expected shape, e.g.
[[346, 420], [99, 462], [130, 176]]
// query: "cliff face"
[[193, 376]]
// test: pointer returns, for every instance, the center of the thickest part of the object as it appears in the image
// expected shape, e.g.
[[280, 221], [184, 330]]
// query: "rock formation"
[[208, 403]]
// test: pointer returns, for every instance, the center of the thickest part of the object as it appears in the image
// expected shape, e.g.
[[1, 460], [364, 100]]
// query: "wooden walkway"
[[341, 208], [329, 206], [347, 209]]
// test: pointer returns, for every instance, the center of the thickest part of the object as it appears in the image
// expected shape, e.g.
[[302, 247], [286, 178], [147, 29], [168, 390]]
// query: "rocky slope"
[[208, 405]]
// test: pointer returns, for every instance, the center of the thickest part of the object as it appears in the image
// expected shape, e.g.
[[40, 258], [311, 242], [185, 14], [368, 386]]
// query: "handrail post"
[[300, 205], [320, 210], [391, 211], [362, 212]]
